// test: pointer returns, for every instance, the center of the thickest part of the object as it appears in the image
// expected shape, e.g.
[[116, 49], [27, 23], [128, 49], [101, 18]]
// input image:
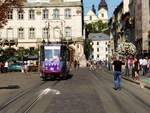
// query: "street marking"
[[44, 92], [49, 90]]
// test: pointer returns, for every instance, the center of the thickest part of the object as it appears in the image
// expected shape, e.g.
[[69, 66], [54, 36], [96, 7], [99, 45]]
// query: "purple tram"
[[54, 60]]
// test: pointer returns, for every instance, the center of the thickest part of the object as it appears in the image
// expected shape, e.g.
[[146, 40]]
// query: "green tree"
[[5, 7], [87, 48], [96, 27]]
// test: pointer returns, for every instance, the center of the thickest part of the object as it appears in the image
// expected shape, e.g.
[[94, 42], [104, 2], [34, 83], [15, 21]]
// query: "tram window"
[[48, 54], [56, 52]]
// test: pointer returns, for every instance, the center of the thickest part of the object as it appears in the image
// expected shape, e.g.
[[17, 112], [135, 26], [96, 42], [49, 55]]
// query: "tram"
[[54, 61]]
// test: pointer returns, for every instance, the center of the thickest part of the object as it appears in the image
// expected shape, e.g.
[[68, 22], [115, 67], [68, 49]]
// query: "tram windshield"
[[52, 53]]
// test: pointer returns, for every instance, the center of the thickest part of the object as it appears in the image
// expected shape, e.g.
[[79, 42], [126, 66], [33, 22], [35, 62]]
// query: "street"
[[83, 92]]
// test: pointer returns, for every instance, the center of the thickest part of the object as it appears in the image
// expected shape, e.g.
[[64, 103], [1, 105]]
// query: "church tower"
[[103, 11]]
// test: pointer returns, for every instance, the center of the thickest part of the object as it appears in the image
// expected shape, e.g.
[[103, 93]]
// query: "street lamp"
[[47, 31]]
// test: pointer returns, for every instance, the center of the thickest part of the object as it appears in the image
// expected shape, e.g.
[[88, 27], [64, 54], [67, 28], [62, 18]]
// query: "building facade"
[[102, 14], [100, 48], [49, 20], [45, 21], [140, 14]]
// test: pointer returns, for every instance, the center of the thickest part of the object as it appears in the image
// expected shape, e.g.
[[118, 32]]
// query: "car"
[[16, 67]]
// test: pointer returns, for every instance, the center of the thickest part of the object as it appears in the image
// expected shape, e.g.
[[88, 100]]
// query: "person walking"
[[75, 64], [117, 68], [144, 66], [78, 64], [136, 68], [6, 66]]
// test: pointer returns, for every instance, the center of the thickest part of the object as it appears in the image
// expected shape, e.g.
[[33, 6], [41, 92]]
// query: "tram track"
[[126, 92], [22, 94], [104, 80]]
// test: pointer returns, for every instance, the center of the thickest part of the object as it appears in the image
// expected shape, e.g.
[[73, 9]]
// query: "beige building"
[[46, 20], [140, 14]]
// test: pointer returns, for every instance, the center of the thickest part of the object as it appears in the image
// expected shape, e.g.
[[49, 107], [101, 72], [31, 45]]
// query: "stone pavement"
[[12, 83], [144, 80], [17, 80]]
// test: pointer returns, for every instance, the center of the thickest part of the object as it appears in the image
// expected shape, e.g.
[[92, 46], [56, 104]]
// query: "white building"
[[102, 13], [45, 20], [100, 46], [51, 20]]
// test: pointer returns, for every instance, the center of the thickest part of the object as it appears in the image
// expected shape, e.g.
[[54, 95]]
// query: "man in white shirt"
[[6, 66]]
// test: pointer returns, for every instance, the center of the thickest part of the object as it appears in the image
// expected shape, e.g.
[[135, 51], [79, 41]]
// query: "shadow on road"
[[10, 87]]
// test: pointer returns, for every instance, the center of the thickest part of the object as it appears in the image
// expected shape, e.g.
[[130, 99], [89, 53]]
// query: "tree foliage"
[[6, 6], [87, 48], [96, 27], [149, 34]]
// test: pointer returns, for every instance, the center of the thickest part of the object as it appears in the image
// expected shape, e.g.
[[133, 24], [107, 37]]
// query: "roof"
[[98, 36], [102, 4], [93, 9], [53, 4]]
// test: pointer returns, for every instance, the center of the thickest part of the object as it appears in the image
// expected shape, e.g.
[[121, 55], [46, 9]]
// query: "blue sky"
[[112, 4]]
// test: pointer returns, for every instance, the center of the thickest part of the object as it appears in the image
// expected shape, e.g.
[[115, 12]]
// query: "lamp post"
[[62, 30], [47, 31]]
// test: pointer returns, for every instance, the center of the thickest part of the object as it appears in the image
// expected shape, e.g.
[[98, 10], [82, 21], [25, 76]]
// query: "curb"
[[145, 85], [136, 82]]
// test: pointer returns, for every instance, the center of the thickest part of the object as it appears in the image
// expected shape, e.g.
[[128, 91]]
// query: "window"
[[92, 56], [97, 43], [67, 13], [102, 15], [97, 55], [45, 14], [68, 32], [20, 14], [31, 14], [56, 32], [10, 33], [45, 32], [90, 17], [10, 14], [31, 32], [106, 49], [21, 33], [97, 49], [106, 55], [56, 14]]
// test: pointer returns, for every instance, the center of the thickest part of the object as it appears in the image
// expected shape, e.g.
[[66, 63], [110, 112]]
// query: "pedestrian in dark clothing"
[[136, 68], [117, 68], [75, 64], [78, 64]]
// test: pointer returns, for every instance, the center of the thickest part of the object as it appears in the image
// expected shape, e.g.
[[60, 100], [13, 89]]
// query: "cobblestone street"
[[84, 92]]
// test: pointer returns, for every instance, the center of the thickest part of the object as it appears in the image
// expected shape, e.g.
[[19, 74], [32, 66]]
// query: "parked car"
[[16, 67]]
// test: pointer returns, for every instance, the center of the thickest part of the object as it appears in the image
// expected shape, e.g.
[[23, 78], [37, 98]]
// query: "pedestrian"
[[117, 68], [144, 66], [130, 66], [6, 66], [25, 68], [148, 66], [136, 68], [78, 64], [75, 64]]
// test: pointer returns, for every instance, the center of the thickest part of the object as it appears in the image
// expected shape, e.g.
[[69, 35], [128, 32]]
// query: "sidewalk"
[[144, 80]]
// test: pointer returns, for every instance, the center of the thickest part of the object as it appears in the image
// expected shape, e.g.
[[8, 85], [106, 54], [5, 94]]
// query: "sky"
[[112, 4]]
